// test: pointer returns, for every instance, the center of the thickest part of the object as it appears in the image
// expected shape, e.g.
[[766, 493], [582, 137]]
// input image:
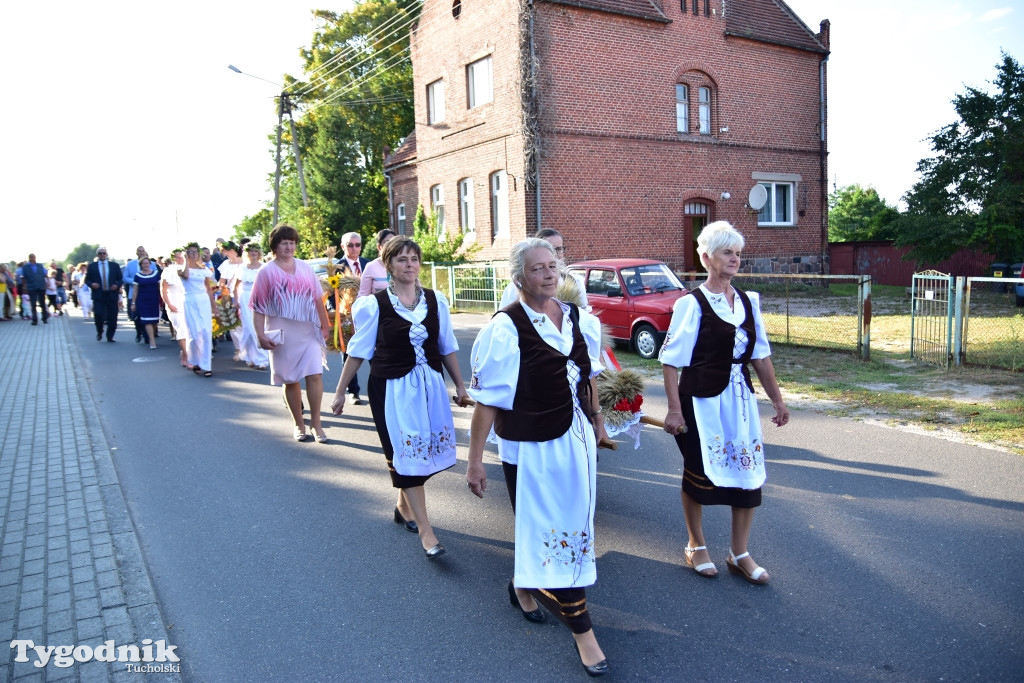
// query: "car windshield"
[[650, 279]]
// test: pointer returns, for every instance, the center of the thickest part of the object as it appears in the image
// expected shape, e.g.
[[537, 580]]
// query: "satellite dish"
[[757, 197]]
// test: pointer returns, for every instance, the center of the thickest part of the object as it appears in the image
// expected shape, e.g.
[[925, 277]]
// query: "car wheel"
[[1020, 301], [645, 341]]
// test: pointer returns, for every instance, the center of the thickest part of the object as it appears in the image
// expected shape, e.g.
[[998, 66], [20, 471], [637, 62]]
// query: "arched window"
[[467, 212], [400, 210], [437, 206]]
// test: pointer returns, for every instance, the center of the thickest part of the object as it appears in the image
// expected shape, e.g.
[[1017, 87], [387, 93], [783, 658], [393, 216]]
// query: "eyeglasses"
[[559, 250], [354, 244], [101, 253]]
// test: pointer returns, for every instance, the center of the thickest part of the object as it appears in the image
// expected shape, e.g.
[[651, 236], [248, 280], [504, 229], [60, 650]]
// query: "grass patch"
[[895, 389]]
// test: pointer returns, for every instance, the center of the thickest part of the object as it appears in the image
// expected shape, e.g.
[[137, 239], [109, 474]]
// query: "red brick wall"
[[471, 143], [616, 174]]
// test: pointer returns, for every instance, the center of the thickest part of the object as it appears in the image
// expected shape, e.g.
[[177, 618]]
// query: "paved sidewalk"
[[71, 571]]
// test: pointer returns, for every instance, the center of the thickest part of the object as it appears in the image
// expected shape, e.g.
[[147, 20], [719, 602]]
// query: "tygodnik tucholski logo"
[[64, 656]]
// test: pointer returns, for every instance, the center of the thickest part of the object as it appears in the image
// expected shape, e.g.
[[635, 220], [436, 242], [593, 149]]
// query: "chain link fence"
[[993, 324]]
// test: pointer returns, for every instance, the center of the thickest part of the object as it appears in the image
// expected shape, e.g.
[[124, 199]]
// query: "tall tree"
[[972, 192], [256, 227], [83, 252], [857, 213], [355, 101]]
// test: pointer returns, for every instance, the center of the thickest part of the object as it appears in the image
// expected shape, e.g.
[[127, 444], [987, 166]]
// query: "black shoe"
[[111, 340], [138, 339], [409, 526], [599, 669], [99, 336], [537, 616], [35, 322], [435, 552]]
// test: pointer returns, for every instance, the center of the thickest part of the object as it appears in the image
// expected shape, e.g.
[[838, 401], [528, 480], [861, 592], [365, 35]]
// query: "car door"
[[607, 300]]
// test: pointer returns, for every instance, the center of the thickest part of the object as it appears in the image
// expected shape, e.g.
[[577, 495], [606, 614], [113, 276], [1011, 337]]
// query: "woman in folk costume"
[[715, 333], [406, 331], [533, 379]]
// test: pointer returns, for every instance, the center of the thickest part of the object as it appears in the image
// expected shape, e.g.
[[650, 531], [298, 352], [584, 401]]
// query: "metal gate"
[[931, 317]]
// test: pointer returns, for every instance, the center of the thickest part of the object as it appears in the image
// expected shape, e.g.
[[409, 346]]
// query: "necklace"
[[415, 302], [717, 297]]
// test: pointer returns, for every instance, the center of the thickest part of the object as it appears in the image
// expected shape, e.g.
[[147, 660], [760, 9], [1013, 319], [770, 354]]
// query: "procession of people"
[[533, 381]]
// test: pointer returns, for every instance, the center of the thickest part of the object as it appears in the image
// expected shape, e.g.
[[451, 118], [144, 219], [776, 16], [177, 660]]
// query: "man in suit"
[[105, 280], [352, 265]]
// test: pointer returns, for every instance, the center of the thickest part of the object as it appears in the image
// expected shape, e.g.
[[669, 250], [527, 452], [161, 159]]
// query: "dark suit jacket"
[[103, 298], [345, 270]]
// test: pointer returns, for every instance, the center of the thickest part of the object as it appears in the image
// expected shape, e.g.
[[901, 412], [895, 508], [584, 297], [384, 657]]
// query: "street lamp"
[[283, 105]]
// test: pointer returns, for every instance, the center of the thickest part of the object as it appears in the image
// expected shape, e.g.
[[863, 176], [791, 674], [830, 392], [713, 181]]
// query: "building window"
[[682, 108], [778, 210], [478, 82], [467, 217], [705, 110], [435, 101], [695, 209], [437, 207], [401, 218], [499, 203]]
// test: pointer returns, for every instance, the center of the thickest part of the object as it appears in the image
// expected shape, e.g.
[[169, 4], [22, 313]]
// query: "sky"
[[126, 127]]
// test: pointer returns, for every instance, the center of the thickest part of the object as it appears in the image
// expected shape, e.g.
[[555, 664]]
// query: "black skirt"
[[695, 483]]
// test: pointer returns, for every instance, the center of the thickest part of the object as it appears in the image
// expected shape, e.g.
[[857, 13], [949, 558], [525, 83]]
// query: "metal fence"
[[821, 311], [469, 286], [967, 321]]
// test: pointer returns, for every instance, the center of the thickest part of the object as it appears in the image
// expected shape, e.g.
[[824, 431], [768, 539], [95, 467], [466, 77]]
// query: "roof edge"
[[819, 50], [582, 4]]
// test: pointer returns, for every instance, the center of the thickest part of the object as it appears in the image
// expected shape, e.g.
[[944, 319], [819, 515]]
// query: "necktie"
[[103, 274], [355, 267]]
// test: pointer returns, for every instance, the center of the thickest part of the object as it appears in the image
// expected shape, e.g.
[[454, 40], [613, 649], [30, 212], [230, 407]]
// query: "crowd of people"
[[533, 384]]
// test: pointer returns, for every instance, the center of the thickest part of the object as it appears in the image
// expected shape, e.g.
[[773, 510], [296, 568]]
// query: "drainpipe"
[[823, 154], [391, 201], [533, 102]]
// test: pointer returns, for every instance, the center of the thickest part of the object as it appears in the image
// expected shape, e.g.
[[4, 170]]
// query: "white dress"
[[557, 480], [84, 294], [176, 298], [417, 408], [249, 348], [729, 424], [199, 318], [228, 272]]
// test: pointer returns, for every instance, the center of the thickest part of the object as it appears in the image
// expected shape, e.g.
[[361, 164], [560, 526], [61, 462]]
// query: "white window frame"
[[774, 209], [437, 207], [435, 101], [499, 204], [682, 108], [400, 212], [704, 95], [479, 83], [467, 210]]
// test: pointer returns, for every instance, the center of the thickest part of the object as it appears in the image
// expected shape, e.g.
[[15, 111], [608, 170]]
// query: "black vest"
[[542, 409], [709, 369], [394, 355]]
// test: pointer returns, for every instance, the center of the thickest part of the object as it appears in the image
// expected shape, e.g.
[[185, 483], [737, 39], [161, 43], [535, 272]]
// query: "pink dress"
[[374, 278], [289, 303]]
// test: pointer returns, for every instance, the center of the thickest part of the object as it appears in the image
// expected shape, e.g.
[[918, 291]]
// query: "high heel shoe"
[[435, 552], [408, 524], [758, 576], [599, 669], [537, 616]]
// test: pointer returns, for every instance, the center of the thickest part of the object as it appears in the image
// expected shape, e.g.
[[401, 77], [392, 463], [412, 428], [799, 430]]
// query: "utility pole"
[[277, 172]]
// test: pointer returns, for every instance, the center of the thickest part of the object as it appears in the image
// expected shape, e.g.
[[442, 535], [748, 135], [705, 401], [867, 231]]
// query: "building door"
[[695, 217]]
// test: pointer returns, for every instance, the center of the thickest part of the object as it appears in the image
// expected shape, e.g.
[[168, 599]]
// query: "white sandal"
[[708, 570], [758, 576]]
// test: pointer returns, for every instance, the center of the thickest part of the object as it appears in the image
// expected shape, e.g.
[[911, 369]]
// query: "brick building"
[[625, 124]]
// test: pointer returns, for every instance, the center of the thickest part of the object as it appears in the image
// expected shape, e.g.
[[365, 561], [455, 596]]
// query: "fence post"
[[495, 294], [864, 331], [958, 320]]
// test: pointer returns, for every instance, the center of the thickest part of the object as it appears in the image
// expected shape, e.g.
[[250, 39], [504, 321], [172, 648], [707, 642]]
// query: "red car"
[[633, 298]]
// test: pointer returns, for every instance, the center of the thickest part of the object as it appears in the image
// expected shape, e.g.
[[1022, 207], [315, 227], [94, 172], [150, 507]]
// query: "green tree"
[[256, 227], [857, 213], [447, 249], [82, 253], [971, 194]]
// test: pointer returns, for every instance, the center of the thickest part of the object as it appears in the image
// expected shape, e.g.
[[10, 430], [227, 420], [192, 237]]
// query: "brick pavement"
[[71, 570]]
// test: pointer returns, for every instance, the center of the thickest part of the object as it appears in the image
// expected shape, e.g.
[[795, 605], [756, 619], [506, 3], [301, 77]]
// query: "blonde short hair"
[[718, 236]]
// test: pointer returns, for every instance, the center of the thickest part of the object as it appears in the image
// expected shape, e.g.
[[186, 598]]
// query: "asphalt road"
[[895, 556]]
